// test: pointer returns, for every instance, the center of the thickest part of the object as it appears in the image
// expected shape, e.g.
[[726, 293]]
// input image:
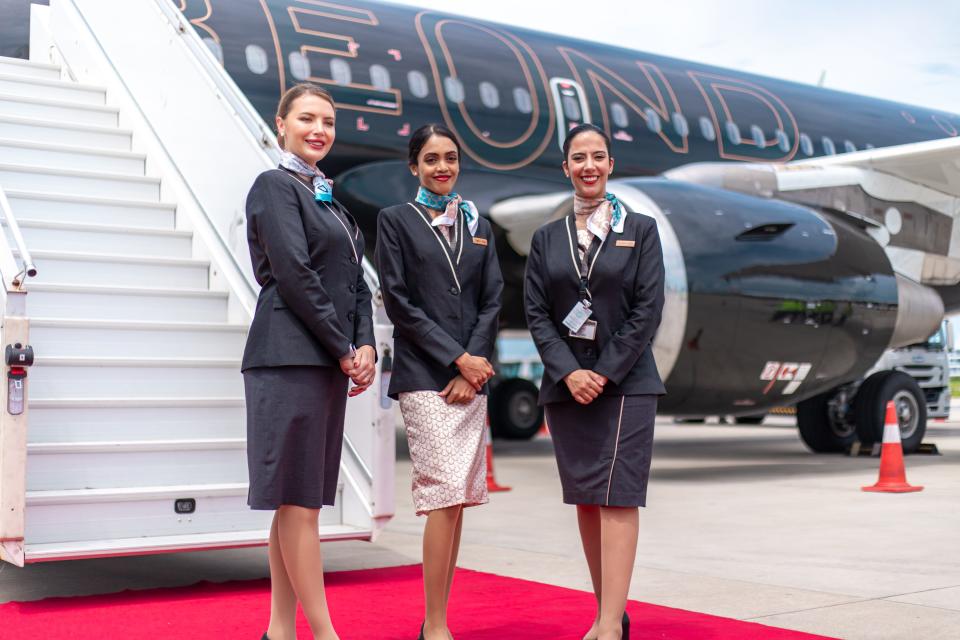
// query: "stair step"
[[70, 516], [127, 464], [28, 69], [87, 338], [30, 129], [80, 183], [189, 542], [126, 303], [59, 156], [59, 111], [41, 235], [62, 267], [100, 419], [95, 210], [57, 377], [52, 89]]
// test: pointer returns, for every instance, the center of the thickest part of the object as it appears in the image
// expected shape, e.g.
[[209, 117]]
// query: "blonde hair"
[[290, 95]]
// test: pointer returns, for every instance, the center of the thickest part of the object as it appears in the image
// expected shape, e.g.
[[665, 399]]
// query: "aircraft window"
[[828, 147], [868, 146], [707, 130], [571, 108], [340, 71], [454, 89], [758, 138], [733, 132], [619, 114], [215, 48], [653, 120], [806, 145], [521, 99], [782, 140], [489, 95], [849, 146], [680, 125], [418, 84], [299, 66], [256, 59], [380, 77]]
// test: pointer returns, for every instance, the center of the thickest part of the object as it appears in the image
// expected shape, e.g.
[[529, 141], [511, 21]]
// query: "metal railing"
[[13, 277]]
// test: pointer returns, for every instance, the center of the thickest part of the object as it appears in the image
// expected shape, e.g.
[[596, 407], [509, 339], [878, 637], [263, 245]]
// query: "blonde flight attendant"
[[594, 294], [441, 288], [312, 332]]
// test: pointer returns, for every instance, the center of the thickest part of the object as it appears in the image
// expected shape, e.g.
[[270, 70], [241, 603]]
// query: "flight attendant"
[[594, 294], [441, 287], [312, 332]]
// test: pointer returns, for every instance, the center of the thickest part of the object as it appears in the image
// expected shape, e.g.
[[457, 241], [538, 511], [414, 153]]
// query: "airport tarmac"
[[742, 522]]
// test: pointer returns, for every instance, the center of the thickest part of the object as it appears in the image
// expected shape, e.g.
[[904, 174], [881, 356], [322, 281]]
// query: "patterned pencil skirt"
[[447, 449]]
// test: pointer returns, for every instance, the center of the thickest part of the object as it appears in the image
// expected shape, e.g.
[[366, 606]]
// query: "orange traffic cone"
[[491, 481], [893, 476]]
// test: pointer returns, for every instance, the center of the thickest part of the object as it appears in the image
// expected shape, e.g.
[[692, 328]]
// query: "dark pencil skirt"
[[603, 449], [294, 435]]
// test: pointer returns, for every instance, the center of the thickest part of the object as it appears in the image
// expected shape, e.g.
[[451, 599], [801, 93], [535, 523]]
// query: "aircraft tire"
[[514, 412], [870, 406], [818, 430]]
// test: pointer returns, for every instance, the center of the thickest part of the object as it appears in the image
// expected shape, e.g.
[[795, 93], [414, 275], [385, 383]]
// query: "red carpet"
[[376, 604]]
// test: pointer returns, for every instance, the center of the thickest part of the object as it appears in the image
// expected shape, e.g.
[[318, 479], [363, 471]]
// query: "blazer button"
[[353, 260], [588, 351], [454, 291], [349, 315], [352, 288]]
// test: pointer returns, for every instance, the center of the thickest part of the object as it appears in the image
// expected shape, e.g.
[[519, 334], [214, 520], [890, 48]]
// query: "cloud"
[[940, 69]]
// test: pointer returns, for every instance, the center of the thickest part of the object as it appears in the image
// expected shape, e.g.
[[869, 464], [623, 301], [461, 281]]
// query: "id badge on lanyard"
[[578, 319]]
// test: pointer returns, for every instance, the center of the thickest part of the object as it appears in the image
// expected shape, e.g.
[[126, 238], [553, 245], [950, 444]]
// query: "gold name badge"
[[626, 243], [480, 241]]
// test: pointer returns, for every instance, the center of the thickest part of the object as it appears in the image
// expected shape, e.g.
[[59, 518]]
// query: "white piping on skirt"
[[616, 445]]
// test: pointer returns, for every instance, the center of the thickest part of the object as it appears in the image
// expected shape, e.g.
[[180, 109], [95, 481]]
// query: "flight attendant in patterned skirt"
[[594, 294], [441, 287]]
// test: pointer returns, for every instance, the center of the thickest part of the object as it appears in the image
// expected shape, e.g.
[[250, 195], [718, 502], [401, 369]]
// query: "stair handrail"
[[14, 279]]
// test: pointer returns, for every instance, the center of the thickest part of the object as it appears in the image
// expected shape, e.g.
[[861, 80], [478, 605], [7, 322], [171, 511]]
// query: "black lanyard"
[[585, 263]]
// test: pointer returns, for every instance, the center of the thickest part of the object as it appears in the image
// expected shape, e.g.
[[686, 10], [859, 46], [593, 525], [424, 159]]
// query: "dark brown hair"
[[296, 91], [584, 128], [420, 137]]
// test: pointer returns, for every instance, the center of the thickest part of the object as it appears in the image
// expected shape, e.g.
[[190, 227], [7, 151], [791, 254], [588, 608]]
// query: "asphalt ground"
[[741, 522]]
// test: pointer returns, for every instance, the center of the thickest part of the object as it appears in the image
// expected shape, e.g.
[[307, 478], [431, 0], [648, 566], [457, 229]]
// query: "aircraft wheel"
[[514, 413], [820, 428], [870, 407]]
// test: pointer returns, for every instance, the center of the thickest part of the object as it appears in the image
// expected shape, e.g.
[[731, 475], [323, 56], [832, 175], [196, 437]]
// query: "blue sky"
[[903, 51]]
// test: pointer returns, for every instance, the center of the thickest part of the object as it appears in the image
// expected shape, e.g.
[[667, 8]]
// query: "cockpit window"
[[256, 59], [489, 95], [340, 71], [418, 84], [707, 130]]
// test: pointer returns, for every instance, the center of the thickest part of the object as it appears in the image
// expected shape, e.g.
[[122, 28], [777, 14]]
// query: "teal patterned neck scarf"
[[322, 188], [605, 214], [450, 205]]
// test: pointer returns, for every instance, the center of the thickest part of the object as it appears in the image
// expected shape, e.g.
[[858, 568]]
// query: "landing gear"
[[870, 407], [822, 425], [514, 413]]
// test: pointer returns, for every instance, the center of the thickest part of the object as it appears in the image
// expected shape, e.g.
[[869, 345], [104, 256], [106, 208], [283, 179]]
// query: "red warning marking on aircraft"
[[404, 130], [623, 135], [362, 125], [396, 54]]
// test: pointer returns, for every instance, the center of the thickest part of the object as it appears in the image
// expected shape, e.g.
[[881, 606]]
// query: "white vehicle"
[[125, 156]]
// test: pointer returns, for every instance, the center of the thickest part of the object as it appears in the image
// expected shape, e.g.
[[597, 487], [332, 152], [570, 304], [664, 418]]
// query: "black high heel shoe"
[[420, 637], [625, 627], [265, 636]]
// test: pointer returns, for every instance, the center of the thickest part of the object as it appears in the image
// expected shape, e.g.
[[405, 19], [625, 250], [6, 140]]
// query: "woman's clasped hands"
[[585, 385], [361, 367], [474, 373]]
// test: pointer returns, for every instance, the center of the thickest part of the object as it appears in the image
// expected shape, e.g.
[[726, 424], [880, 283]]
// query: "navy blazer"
[[626, 286], [313, 301], [436, 319]]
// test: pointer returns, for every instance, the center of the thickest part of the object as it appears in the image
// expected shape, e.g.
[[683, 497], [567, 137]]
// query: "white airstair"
[[136, 421]]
